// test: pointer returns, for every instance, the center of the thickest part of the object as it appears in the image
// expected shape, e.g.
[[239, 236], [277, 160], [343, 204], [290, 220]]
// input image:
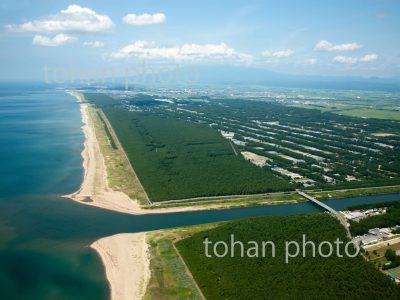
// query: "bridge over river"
[[335, 213]]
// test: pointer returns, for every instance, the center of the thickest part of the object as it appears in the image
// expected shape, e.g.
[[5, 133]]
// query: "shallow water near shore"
[[44, 238]]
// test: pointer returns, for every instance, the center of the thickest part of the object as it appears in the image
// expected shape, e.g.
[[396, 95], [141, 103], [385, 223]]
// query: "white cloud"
[[56, 41], [312, 61], [369, 57], [352, 60], [345, 59], [73, 19], [95, 44], [327, 46], [278, 54], [144, 19], [185, 52]]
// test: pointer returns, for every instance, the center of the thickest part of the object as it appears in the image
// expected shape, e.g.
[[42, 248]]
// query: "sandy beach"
[[95, 190], [125, 257]]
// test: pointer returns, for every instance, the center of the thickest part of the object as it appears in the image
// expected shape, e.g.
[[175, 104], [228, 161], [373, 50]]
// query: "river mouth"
[[44, 238], [44, 241]]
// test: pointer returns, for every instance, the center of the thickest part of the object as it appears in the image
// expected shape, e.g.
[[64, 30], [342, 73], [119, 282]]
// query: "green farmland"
[[371, 113], [270, 277], [176, 159]]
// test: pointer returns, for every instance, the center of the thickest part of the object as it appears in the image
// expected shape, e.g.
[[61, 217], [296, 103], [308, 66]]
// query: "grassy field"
[[120, 177], [230, 201], [169, 279], [395, 271], [371, 113], [270, 277], [323, 195], [359, 110]]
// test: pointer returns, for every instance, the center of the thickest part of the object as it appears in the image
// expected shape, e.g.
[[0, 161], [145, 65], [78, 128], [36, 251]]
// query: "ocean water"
[[40, 137], [44, 238]]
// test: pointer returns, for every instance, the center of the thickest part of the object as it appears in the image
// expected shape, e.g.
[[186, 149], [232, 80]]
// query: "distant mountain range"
[[232, 75], [222, 75]]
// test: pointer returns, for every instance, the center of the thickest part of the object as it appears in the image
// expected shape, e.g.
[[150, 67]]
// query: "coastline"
[[126, 260]]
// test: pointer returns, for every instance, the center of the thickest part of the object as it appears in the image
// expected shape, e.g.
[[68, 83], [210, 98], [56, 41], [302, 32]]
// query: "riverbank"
[[126, 261]]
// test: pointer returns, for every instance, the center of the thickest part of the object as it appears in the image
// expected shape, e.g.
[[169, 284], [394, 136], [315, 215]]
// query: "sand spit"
[[127, 265], [94, 190]]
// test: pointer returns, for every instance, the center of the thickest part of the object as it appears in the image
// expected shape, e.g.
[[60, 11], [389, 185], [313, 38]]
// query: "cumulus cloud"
[[144, 19], [58, 40], [94, 44], [369, 57], [352, 60], [73, 19], [312, 61], [278, 54], [327, 46], [345, 59], [185, 52]]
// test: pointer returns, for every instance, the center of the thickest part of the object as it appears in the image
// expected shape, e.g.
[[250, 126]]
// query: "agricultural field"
[[186, 146], [368, 105], [372, 113], [270, 277]]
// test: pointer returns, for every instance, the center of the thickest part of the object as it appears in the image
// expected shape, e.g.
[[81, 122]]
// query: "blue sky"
[[337, 38]]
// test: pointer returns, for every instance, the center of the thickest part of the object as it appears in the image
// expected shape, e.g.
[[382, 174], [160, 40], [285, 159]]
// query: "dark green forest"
[[272, 278], [177, 159], [332, 151]]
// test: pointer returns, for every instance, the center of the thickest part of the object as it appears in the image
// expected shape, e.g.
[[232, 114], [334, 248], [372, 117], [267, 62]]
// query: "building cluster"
[[357, 215], [374, 236]]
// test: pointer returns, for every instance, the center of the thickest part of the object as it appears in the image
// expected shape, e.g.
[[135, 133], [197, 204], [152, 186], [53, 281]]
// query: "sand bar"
[[127, 265]]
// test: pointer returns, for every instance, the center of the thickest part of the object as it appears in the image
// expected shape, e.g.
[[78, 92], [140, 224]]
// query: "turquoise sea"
[[44, 238]]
